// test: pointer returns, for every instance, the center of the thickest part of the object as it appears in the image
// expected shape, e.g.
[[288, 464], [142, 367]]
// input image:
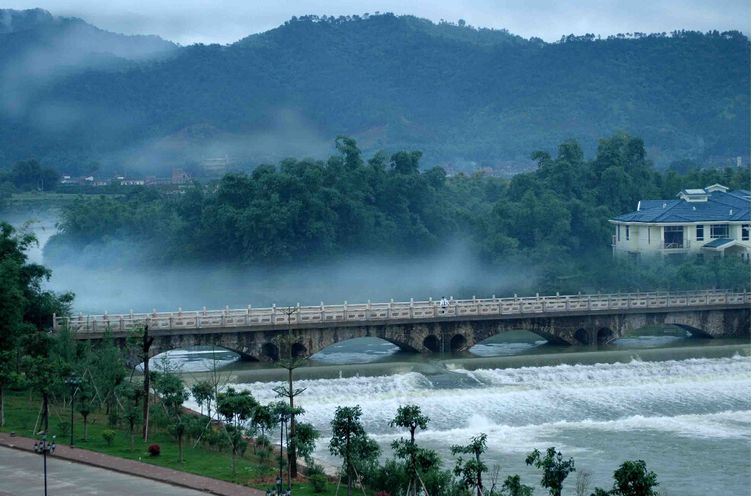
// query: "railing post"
[[322, 311], [390, 309], [298, 312], [411, 309], [248, 315], [589, 302], [273, 318], [345, 310], [54, 321]]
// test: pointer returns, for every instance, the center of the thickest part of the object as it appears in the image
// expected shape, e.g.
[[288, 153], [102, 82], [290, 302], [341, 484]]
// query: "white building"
[[701, 221]]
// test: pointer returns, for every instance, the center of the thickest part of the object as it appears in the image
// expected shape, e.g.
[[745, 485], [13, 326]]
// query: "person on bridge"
[[443, 305]]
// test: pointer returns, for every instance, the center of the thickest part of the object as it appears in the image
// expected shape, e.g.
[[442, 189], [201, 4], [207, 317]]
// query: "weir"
[[427, 326]]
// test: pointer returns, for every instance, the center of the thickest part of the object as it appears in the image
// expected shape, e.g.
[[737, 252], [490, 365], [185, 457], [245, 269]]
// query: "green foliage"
[[513, 487], [350, 441], [402, 82], [203, 392], [470, 470], [554, 469], [553, 220], [631, 479], [317, 478], [109, 436]]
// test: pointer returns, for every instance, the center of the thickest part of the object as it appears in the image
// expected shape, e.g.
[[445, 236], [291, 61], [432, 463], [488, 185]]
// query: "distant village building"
[[180, 176], [131, 182], [705, 221]]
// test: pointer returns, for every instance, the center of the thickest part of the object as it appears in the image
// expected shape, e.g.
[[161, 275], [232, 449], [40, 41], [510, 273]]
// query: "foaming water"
[[601, 414]]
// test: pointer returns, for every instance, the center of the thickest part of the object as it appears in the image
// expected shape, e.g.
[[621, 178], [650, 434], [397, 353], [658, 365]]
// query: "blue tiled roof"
[[717, 243], [717, 208]]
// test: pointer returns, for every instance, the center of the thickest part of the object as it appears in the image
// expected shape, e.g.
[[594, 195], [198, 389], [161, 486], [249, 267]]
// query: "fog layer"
[[110, 282]]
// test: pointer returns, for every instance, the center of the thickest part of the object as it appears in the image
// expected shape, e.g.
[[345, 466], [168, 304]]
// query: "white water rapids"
[[689, 419]]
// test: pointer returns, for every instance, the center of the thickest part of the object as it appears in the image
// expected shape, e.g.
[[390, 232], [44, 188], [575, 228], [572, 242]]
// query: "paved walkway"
[[65, 474]]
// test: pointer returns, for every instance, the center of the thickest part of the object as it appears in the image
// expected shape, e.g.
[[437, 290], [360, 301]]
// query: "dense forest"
[[306, 211], [466, 97]]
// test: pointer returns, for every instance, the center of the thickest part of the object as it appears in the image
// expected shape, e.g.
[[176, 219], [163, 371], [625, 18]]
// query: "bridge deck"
[[399, 311]]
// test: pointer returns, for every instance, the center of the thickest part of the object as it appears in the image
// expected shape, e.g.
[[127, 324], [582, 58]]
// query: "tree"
[[554, 469], [131, 411], [470, 470], [411, 418], [85, 404], [631, 479], [203, 392], [513, 487], [583, 480], [236, 408], [172, 395], [291, 362], [25, 310], [350, 441]]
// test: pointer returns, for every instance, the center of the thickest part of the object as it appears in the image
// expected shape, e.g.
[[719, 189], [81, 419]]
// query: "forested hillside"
[[464, 96], [553, 220]]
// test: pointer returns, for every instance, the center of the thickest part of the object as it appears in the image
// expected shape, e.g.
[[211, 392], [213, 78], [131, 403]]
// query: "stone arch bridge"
[[427, 326]]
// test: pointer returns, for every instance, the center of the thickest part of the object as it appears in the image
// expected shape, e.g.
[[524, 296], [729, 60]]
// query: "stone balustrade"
[[420, 311]]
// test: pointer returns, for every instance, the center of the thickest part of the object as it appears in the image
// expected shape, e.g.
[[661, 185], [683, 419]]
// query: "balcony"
[[676, 245]]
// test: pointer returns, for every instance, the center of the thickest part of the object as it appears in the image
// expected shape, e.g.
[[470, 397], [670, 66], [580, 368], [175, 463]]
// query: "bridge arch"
[[695, 331], [582, 336], [298, 350], [432, 343], [270, 352], [458, 343], [605, 335]]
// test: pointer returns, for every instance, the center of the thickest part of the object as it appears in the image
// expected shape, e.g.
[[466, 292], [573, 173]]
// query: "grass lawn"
[[22, 411]]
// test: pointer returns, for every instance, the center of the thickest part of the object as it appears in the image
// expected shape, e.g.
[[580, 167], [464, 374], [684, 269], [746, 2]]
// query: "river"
[[688, 418], [682, 405]]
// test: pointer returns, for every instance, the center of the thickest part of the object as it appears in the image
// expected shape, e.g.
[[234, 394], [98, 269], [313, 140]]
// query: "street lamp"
[[44, 447], [73, 382]]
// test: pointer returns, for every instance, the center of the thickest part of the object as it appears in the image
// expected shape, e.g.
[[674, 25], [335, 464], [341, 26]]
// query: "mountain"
[[461, 95]]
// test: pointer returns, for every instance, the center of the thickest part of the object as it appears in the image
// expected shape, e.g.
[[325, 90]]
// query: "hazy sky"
[[225, 21]]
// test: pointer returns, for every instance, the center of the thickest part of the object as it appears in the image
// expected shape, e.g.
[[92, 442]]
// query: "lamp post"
[[44, 447], [72, 382]]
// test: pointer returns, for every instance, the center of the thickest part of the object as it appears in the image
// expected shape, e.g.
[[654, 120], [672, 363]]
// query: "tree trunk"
[[145, 348], [348, 462], [2, 405], [86, 428], [180, 448]]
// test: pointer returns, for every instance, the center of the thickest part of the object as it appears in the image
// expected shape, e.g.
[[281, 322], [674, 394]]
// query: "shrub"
[[108, 436], [154, 450], [317, 478], [64, 428]]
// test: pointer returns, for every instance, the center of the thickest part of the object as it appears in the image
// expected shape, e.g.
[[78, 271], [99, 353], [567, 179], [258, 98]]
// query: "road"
[[21, 475]]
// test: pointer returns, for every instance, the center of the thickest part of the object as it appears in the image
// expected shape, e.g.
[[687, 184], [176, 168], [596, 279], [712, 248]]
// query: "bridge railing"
[[407, 310]]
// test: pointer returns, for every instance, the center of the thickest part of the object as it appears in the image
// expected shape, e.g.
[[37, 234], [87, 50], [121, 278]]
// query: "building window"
[[673, 237], [626, 233], [718, 231], [700, 233], [745, 232]]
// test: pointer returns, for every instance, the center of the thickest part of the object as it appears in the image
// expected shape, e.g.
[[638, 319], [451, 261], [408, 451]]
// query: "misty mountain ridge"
[[73, 93]]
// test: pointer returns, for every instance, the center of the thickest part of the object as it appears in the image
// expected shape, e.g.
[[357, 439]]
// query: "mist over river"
[[642, 397]]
